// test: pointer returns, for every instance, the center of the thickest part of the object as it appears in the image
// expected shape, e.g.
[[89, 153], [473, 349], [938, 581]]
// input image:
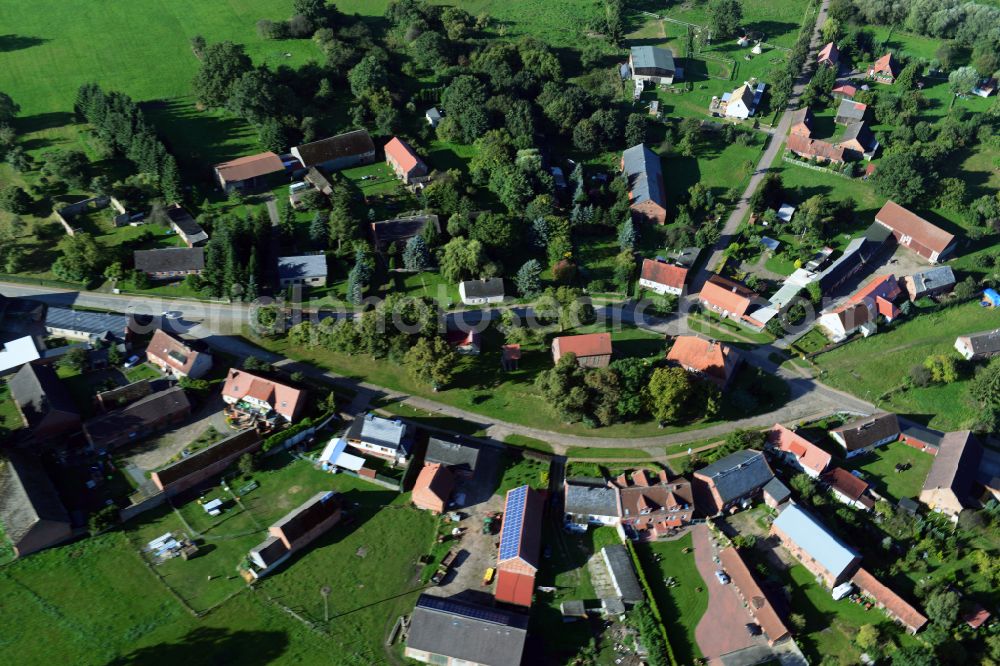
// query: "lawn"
[[779, 21], [876, 368], [596, 452], [525, 442], [518, 471], [906, 43], [116, 612], [10, 418], [683, 604], [141, 371], [879, 469]]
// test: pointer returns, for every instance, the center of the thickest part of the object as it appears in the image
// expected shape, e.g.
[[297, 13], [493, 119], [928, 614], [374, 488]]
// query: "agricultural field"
[[778, 21], [876, 368]]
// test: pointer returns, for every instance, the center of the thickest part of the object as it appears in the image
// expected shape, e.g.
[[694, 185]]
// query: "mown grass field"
[[779, 21], [877, 366], [879, 469]]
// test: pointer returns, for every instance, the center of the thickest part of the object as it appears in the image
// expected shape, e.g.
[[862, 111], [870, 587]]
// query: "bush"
[[104, 519]]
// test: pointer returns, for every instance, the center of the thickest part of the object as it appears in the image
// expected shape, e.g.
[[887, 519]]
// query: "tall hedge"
[[651, 601]]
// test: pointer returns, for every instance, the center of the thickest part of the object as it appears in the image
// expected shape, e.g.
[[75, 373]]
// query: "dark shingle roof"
[[864, 432], [850, 109], [297, 523], [860, 133], [596, 499], [644, 175], [473, 633], [622, 573], [348, 144], [452, 454], [738, 474], [270, 550], [987, 342], [483, 288], [37, 391], [956, 464], [401, 229], [301, 267], [187, 224], [145, 411], [94, 323], [935, 278], [170, 259], [27, 495], [776, 489]]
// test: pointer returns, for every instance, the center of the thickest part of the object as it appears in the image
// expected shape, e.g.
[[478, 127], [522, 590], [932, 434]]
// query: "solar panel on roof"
[[510, 533], [471, 612]]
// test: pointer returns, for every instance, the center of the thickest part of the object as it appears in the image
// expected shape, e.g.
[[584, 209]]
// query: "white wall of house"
[[963, 347], [737, 109], [658, 287]]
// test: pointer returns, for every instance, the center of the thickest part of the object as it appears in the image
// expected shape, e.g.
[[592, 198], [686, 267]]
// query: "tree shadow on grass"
[[14, 42], [43, 121], [207, 645]]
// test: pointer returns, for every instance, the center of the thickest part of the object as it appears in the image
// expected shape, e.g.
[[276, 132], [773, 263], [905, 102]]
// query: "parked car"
[[721, 575], [132, 361]]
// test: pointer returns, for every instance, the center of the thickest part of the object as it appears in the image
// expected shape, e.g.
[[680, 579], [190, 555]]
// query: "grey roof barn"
[[455, 455], [32, 514], [302, 267], [652, 60], [590, 497], [643, 172], [181, 259], [43, 400], [93, 323], [491, 288], [623, 577], [737, 475], [443, 628]]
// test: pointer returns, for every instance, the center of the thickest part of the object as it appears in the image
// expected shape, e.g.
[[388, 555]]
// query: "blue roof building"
[[818, 549], [646, 192]]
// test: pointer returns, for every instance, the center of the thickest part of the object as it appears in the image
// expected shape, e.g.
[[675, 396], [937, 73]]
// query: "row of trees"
[[121, 126]]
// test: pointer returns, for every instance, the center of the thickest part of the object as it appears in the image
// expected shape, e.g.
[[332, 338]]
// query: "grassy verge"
[[525, 442]]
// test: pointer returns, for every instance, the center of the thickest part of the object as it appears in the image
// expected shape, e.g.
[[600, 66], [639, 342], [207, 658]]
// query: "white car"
[[721, 575], [171, 314], [131, 362], [295, 187]]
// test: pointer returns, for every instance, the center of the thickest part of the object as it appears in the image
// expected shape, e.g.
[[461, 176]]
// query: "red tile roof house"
[[894, 605], [881, 292], [915, 233], [754, 598], [829, 55], [866, 433], [404, 162], [296, 530], [655, 507], [797, 451], [715, 361], [802, 122], [175, 358], [730, 299], [885, 69], [848, 488], [246, 173], [821, 151], [646, 192], [520, 540], [592, 350], [948, 488], [663, 278], [433, 488], [844, 90], [847, 320], [262, 398]]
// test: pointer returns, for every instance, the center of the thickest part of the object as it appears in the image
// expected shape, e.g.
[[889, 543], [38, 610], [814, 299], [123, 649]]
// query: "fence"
[[66, 214], [814, 167], [374, 477], [141, 504]]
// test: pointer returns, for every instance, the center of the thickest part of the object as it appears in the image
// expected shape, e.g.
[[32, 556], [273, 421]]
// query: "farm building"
[[459, 457], [848, 488], [622, 573], [31, 513], [589, 502], [979, 346], [520, 540], [86, 326], [296, 530], [895, 606], [850, 112], [205, 463], [138, 420], [592, 350], [847, 320], [170, 263], [775, 493], [45, 405], [405, 163], [185, 226], [821, 151], [451, 631], [754, 598], [247, 173], [647, 194], [802, 122], [661, 277], [731, 299], [337, 152], [934, 282], [812, 544], [309, 269], [858, 141], [651, 64], [433, 488], [866, 433], [915, 233], [948, 486]]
